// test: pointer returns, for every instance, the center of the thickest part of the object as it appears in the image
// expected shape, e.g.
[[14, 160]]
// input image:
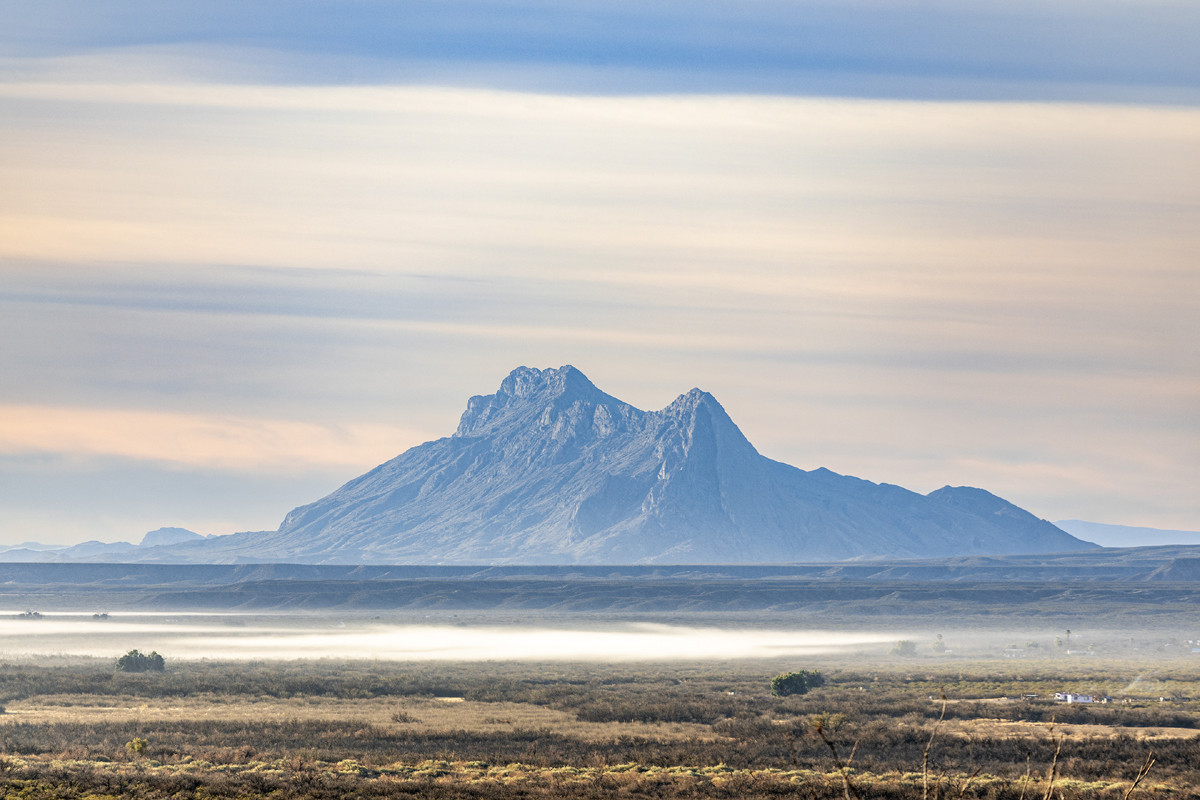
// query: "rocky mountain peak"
[[530, 381], [688, 403], [540, 396], [698, 412], [550, 469]]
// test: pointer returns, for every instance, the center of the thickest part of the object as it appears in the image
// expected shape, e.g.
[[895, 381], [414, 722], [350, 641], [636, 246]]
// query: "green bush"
[[133, 661], [790, 683]]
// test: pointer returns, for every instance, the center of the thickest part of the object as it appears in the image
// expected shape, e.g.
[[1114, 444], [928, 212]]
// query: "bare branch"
[[848, 788], [1052, 774], [1145, 770], [928, 745]]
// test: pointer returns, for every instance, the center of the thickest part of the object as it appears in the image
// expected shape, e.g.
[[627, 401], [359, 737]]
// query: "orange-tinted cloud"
[[199, 441]]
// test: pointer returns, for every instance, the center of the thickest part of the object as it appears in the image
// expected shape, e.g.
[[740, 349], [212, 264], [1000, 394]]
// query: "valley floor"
[[74, 728]]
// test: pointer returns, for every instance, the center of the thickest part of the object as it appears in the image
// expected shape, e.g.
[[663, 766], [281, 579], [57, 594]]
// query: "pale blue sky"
[[248, 251], [957, 49]]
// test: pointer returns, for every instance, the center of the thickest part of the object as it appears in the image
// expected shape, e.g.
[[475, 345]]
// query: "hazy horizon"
[[249, 254]]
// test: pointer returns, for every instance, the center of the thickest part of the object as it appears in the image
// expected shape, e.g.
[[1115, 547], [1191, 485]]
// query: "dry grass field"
[[74, 728], [395, 717]]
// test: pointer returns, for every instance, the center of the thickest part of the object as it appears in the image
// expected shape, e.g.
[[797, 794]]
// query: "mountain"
[[162, 536], [552, 470], [1125, 535], [32, 547], [34, 552], [85, 551]]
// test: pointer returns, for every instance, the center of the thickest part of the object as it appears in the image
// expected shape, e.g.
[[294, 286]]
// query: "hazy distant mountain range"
[[96, 550], [551, 470], [1126, 535]]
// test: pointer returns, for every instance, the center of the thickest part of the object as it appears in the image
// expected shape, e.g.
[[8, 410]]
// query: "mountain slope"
[[550, 469]]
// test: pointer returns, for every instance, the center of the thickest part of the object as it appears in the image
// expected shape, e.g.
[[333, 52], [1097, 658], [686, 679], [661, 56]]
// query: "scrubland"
[[880, 727]]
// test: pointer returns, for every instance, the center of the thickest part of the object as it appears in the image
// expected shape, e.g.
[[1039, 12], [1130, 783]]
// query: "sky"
[[249, 251]]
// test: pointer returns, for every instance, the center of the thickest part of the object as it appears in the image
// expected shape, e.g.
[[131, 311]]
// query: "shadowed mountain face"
[[551, 470]]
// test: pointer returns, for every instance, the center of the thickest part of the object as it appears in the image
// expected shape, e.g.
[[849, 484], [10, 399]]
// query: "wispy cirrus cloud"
[[555, 186], [960, 276], [198, 441]]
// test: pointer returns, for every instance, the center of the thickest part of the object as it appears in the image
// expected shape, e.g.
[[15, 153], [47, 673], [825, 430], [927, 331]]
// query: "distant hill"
[[1136, 589], [110, 552], [164, 536], [1125, 535], [84, 551], [551, 470]]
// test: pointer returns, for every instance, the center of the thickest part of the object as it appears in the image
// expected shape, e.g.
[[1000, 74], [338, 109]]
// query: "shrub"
[[790, 683], [133, 661]]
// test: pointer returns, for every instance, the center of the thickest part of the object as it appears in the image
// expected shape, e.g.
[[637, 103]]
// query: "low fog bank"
[[449, 637], [284, 637]]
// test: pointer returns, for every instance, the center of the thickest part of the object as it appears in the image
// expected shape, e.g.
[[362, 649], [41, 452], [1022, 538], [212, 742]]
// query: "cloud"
[[923, 293], [463, 182], [198, 441]]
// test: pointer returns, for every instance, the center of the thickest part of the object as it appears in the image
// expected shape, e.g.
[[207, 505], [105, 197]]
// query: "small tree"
[[905, 647], [790, 683], [134, 661]]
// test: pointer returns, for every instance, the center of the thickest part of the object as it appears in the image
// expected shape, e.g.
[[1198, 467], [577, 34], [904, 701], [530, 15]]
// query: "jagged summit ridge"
[[550, 469], [528, 391]]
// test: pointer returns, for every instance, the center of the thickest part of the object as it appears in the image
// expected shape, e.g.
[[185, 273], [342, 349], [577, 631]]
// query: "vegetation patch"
[[376, 729]]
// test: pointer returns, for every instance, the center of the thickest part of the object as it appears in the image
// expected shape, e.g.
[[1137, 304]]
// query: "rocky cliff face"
[[551, 470]]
